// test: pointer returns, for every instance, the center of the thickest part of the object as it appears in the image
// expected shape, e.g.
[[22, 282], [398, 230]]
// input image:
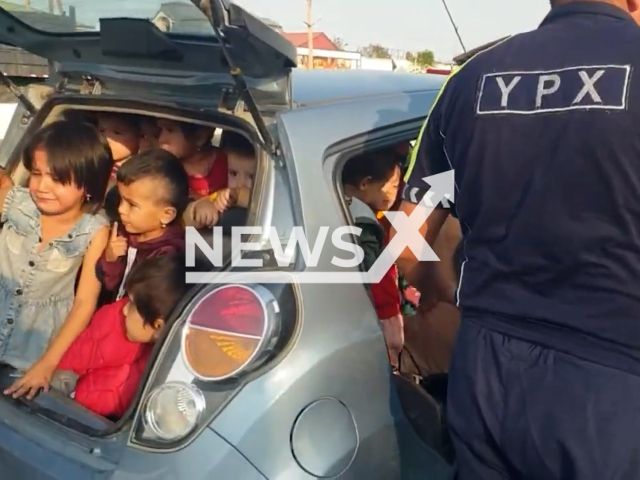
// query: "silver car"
[[294, 382]]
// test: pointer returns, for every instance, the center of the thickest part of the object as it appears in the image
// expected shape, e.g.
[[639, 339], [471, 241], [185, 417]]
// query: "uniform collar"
[[590, 8]]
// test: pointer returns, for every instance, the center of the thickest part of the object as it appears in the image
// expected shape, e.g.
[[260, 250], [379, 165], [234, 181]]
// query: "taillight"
[[223, 333], [230, 331]]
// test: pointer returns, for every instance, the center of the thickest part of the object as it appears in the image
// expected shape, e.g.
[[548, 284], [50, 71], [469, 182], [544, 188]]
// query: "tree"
[[375, 51], [421, 59], [339, 43]]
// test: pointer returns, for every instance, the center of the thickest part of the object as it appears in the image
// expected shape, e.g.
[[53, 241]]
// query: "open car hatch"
[[205, 52]]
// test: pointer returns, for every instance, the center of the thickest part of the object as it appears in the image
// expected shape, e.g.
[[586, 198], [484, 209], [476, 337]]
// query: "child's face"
[[173, 140], [136, 328], [123, 138], [380, 196], [142, 209], [242, 170], [149, 133], [51, 196]]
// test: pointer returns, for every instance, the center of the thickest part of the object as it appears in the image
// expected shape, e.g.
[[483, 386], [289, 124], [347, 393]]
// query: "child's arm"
[[39, 375], [6, 184], [200, 214]]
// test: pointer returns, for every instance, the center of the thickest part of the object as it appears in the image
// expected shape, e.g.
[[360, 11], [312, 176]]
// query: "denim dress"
[[36, 287]]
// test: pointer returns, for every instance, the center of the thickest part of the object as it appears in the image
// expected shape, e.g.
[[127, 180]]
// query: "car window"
[[182, 16]]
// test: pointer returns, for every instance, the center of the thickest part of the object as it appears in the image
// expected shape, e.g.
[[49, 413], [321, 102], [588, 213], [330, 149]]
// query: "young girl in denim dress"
[[50, 234]]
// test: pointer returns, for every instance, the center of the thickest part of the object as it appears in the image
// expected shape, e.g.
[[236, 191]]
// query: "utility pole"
[[27, 3], [309, 24]]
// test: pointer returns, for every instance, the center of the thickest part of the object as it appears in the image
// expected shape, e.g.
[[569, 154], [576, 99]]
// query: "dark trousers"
[[520, 411]]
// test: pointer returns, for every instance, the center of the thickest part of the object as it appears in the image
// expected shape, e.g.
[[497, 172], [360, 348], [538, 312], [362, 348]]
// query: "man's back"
[[547, 157]]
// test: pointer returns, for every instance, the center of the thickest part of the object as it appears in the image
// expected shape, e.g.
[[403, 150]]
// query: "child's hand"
[[223, 200], [205, 213], [117, 246], [37, 377], [393, 331]]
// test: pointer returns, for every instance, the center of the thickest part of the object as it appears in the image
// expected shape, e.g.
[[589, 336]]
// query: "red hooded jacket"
[[112, 273], [109, 365]]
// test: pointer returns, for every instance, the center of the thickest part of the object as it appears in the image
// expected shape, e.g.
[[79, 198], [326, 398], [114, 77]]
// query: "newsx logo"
[[573, 88]]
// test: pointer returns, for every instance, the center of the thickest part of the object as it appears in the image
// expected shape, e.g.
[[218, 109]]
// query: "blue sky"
[[408, 24]]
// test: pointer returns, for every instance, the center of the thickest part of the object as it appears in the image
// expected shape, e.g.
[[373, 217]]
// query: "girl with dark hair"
[[51, 233], [205, 164]]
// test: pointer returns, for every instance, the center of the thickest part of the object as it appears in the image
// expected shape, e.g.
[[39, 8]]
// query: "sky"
[[407, 24]]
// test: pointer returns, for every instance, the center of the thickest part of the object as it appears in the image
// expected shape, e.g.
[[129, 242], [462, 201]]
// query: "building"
[[177, 17], [301, 40], [180, 17], [326, 55], [15, 62]]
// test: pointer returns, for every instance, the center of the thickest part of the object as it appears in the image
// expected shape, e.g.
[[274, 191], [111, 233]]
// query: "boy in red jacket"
[[371, 182], [153, 191], [104, 365]]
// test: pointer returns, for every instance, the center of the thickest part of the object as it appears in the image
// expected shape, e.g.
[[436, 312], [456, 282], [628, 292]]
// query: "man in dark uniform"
[[543, 131]]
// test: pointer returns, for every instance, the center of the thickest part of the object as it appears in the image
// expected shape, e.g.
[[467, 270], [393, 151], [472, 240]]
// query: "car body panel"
[[337, 356], [312, 87], [340, 352], [208, 456], [135, 51]]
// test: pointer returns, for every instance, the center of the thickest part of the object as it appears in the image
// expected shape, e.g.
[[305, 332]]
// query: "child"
[[122, 131], [154, 192], [242, 165], [50, 234], [103, 367], [205, 164], [149, 134], [371, 182]]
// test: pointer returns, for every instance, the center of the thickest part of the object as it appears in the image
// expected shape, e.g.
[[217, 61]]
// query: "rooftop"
[[320, 86], [320, 40]]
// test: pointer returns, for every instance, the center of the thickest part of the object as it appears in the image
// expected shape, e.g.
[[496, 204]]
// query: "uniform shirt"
[[543, 131]]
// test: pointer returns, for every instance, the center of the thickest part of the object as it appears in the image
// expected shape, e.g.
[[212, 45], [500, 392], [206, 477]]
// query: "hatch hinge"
[[30, 108]]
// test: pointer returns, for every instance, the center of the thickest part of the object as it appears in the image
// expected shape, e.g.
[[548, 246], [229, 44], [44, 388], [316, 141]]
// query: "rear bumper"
[[209, 456], [34, 448]]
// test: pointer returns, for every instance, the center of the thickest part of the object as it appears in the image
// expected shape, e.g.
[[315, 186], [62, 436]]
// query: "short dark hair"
[[191, 130], [379, 165], [156, 284], [76, 153], [161, 165], [127, 118], [234, 142]]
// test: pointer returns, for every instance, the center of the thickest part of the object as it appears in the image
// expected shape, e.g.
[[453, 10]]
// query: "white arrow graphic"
[[408, 227]]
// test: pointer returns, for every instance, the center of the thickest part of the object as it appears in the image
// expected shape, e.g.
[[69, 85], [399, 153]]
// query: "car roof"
[[326, 86]]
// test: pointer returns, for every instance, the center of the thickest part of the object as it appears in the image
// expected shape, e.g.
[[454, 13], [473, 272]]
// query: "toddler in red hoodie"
[[153, 192], [371, 182], [104, 365]]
